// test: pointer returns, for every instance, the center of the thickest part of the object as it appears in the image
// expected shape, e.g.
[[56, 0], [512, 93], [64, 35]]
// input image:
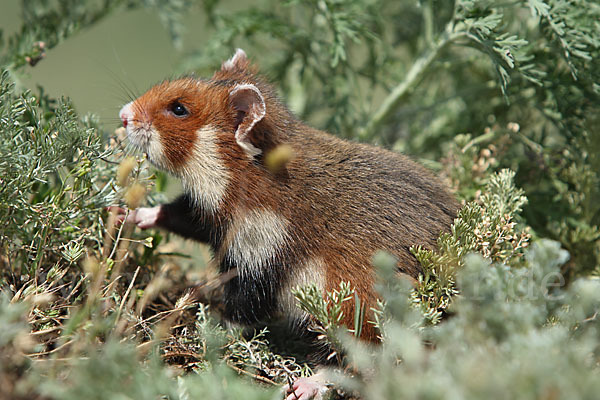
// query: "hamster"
[[317, 220]]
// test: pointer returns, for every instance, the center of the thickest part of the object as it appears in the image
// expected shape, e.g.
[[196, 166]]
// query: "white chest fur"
[[255, 239]]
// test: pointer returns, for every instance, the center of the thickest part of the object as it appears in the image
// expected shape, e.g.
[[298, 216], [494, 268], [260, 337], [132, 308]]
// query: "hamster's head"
[[172, 119], [202, 130]]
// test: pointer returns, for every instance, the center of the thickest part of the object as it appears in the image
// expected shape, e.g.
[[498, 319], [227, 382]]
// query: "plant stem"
[[428, 21], [413, 77]]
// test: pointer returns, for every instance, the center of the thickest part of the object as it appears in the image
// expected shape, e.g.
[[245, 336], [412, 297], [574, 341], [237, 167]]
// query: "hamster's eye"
[[178, 109]]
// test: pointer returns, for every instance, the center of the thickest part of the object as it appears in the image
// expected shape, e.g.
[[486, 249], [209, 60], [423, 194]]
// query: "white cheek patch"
[[254, 239], [205, 176], [154, 149], [311, 272]]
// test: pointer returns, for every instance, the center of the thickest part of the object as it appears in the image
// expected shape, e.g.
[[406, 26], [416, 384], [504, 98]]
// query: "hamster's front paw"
[[311, 388], [145, 217]]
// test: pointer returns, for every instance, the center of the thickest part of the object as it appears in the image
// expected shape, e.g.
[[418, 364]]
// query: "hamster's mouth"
[[139, 137], [147, 140]]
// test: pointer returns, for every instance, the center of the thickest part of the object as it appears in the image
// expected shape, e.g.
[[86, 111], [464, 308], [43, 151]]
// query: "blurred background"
[[129, 50]]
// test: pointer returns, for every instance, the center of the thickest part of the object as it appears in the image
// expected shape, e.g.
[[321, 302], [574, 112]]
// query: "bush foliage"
[[502, 99]]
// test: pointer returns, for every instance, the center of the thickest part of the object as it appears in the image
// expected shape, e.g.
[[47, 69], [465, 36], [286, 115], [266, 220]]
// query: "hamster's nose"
[[125, 114]]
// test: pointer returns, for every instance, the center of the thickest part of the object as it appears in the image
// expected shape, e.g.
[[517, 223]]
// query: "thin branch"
[[428, 21], [413, 77], [126, 295]]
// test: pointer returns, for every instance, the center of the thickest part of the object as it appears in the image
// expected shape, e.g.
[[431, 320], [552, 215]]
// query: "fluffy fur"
[[318, 220]]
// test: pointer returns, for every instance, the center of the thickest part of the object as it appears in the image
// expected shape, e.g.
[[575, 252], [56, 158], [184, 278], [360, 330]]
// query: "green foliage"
[[313, 62], [514, 334], [13, 341], [255, 357], [115, 371], [518, 325], [575, 188], [327, 310], [487, 227], [50, 199]]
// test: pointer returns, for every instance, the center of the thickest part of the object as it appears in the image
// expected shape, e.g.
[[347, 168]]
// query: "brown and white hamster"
[[319, 220]]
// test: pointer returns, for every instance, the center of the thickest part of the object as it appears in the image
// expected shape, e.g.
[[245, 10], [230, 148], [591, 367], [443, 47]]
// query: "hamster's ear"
[[238, 62], [250, 105]]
